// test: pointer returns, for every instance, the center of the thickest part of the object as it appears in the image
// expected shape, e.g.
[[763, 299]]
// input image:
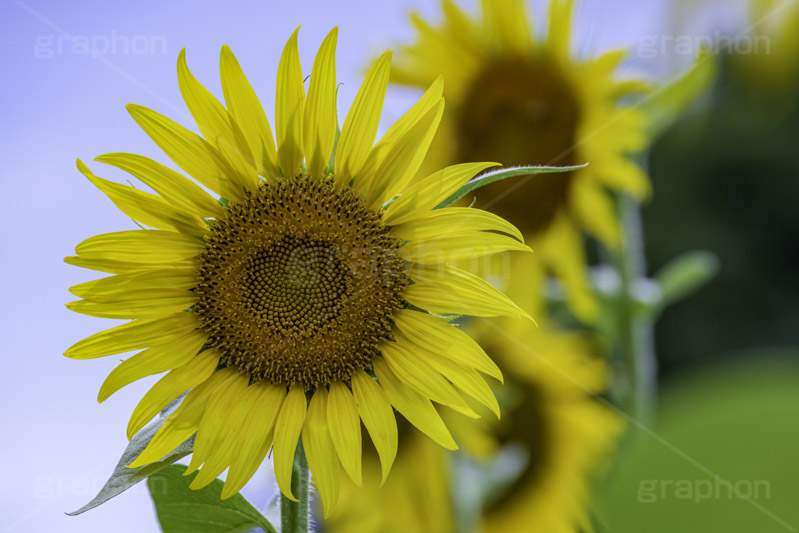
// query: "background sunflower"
[[523, 99]]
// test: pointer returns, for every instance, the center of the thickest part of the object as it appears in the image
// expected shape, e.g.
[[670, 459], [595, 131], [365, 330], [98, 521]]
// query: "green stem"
[[635, 328], [294, 515]]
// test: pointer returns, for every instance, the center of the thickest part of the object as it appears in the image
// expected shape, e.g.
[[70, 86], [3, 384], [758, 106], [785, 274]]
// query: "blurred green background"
[[719, 459], [725, 180], [721, 454]]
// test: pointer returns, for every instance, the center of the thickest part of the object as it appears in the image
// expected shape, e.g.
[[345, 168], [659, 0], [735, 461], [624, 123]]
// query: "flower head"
[[303, 300], [515, 98]]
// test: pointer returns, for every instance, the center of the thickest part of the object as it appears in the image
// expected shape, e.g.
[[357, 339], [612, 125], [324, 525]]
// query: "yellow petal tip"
[[195, 485], [290, 496], [136, 463]]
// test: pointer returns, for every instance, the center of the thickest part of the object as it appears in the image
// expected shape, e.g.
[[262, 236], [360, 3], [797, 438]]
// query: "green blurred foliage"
[[720, 458], [726, 180]]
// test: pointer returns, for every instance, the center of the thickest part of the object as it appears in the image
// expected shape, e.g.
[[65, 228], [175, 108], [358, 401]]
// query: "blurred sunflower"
[[416, 498], [766, 59], [522, 100], [299, 303], [553, 428]]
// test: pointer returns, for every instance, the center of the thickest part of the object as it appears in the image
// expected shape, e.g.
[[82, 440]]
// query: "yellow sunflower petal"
[[360, 127], [217, 126], [563, 251], [289, 107], [213, 423], [137, 304], [287, 433], [507, 24], [183, 423], [437, 335], [321, 452], [429, 100], [423, 196], [406, 363], [395, 135], [464, 378], [106, 288], [134, 335], [560, 17], [449, 51], [153, 361], [444, 289], [223, 421], [141, 246], [453, 220], [146, 208], [464, 245], [428, 296], [378, 417], [413, 406], [319, 129], [175, 383], [256, 437], [122, 267], [401, 163], [345, 429], [626, 175], [189, 151], [595, 211], [625, 88], [458, 23], [246, 109], [170, 185]]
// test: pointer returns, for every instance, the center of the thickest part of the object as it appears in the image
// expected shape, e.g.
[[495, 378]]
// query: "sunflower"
[[303, 300], [553, 429], [523, 100], [552, 413], [566, 435]]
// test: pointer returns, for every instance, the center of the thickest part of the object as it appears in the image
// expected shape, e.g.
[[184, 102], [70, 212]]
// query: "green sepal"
[[123, 477], [501, 174]]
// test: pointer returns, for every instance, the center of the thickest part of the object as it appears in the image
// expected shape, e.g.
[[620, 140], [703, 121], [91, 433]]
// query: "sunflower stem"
[[294, 516], [635, 327]]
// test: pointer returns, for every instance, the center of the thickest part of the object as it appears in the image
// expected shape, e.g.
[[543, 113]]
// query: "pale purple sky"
[[61, 101]]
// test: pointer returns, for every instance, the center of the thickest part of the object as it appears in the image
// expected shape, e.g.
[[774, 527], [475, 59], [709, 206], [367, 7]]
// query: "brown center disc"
[[297, 283], [521, 111]]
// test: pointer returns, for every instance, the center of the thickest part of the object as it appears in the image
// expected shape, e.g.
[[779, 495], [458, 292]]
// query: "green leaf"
[[685, 275], [501, 174], [667, 104], [182, 510], [123, 477]]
